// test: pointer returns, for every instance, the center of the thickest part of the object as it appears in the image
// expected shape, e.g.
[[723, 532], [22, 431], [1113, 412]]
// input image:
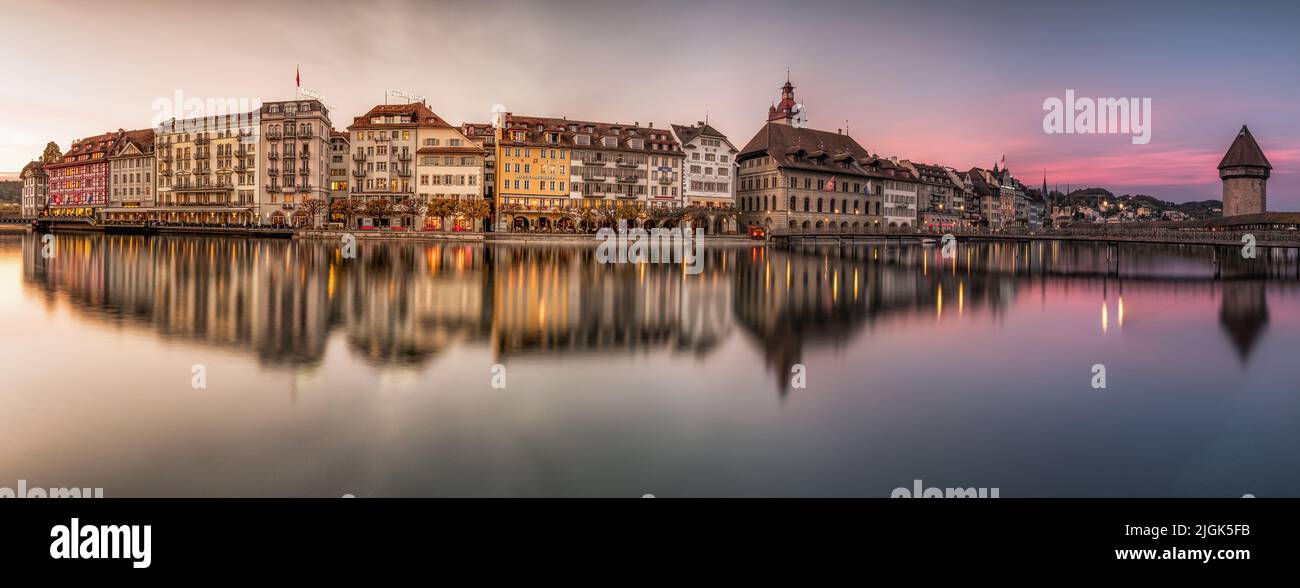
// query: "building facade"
[[207, 171], [939, 200], [384, 142], [132, 185], [448, 166], [36, 189], [708, 178], [78, 183], [340, 149], [295, 144], [549, 170]]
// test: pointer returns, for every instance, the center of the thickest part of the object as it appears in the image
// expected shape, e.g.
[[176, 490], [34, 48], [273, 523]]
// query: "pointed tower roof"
[[1244, 152]]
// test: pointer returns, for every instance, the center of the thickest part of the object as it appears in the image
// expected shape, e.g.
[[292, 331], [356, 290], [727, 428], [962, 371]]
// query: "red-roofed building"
[[78, 183]]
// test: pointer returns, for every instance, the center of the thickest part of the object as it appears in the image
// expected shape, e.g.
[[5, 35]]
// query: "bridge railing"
[[1107, 233]]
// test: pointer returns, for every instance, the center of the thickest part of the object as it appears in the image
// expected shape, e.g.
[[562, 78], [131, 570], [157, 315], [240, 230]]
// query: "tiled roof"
[[814, 150], [420, 115], [143, 140], [1244, 152], [33, 168], [535, 129], [688, 133], [88, 146]]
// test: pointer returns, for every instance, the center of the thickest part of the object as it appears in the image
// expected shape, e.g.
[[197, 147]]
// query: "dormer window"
[[636, 144], [552, 137], [609, 141], [583, 140]]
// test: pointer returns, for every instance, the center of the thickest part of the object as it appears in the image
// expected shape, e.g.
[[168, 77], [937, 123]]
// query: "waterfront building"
[[294, 140], [448, 166], [550, 168], [1244, 171], [791, 176], [340, 148], [1037, 213], [617, 164], [36, 189], [899, 191], [939, 201], [710, 168], [78, 182], [532, 171], [485, 136], [207, 170], [131, 182], [970, 216], [987, 189], [384, 141]]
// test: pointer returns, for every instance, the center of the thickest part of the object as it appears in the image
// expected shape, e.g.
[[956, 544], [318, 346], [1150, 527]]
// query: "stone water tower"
[[1245, 172]]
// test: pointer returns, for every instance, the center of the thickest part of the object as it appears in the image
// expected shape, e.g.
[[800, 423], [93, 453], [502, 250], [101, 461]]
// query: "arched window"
[[805, 204], [819, 206]]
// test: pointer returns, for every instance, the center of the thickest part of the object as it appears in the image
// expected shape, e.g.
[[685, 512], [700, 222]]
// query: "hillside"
[[1090, 196], [11, 191]]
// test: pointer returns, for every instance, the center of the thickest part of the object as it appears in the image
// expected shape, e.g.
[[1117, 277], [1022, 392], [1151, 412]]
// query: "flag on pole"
[[297, 75], [830, 185]]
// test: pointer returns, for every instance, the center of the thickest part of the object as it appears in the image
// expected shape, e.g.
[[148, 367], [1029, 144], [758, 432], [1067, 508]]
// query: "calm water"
[[372, 376]]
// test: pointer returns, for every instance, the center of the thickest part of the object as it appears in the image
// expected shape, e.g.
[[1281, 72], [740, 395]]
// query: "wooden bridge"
[[1263, 239]]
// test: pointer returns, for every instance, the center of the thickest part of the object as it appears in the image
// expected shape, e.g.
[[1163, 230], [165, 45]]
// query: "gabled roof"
[[686, 134], [36, 168], [1244, 152], [534, 129], [823, 150], [142, 139], [419, 113]]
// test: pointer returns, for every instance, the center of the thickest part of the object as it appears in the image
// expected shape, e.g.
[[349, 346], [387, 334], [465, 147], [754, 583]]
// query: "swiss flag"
[[830, 185]]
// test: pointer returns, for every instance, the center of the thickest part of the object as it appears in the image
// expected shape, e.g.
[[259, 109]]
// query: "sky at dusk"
[[953, 83]]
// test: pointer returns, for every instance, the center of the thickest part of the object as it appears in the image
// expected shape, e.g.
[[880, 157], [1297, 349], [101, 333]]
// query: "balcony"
[[304, 155], [382, 139], [360, 173], [621, 163], [165, 172], [665, 180], [273, 135], [627, 180], [594, 162], [202, 140], [304, 188], [273, 172], [405, 172], [241, 168], [306, 133], [358, 157], [404, 156], [165, 157]]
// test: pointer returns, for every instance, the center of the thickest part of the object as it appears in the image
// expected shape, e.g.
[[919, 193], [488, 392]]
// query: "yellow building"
[[532, 165]]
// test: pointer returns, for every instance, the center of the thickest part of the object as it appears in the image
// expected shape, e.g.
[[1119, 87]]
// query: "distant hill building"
[[1245, 172]]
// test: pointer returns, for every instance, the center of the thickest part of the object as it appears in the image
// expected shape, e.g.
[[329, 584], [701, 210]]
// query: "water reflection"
[[402, 304], [371, 375]]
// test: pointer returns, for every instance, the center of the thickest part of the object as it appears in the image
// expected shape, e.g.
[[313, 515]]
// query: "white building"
[[710, 168], [36, 189]]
